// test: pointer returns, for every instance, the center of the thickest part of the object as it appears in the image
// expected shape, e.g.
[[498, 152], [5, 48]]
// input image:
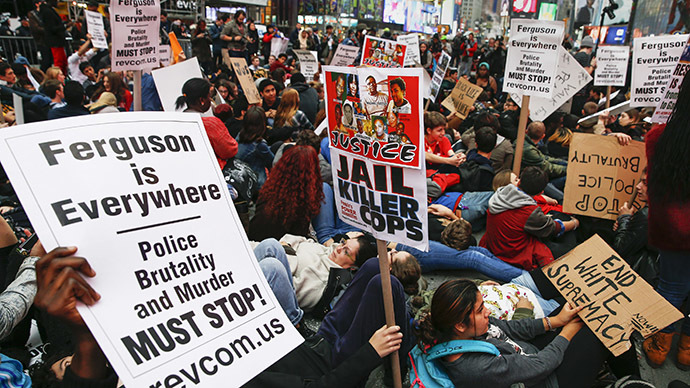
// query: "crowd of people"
[[321, 267]]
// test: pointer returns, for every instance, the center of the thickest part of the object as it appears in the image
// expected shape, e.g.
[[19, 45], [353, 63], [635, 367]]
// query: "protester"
[[73, 95], [669, 184], [252, 143], [112, 82]]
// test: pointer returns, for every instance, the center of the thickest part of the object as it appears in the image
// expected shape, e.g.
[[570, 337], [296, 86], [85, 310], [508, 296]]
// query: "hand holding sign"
[[613, 299]]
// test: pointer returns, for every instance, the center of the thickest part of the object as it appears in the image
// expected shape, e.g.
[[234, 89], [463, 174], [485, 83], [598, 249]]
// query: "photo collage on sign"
[[370, 104], [383, 53]]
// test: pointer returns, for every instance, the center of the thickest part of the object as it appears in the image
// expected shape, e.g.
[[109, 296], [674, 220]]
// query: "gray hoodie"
[[511, 197]]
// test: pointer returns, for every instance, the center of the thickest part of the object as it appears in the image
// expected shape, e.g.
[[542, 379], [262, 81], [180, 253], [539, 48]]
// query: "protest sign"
[[379, 52], [239, 65], [602, 175], [617, 300], [670, 95], [344, 55], [654, 59], [375, 113], [279, 46], [308, 63], [570, 78], [439, 74], [164, 51], [169, 81], [135, 27], [388, 201], [533, 55], [613, 110], [462, 97], [412, 55], [94, 24], [184, 302], [612, 65]]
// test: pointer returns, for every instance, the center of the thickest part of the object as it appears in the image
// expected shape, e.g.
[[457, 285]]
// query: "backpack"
[[471, 176], [428, 373], [239, 175]]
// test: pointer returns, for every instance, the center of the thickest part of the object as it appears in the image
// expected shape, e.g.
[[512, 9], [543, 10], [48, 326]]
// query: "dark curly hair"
[[293, 191]]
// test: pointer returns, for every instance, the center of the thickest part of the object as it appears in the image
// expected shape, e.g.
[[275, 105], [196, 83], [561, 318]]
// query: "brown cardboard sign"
[[617, 301], [246, 80], [602, 175], [462, 97]]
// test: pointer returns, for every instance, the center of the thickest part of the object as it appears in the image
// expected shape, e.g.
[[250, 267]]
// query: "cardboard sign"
[[612, 65], [141, 195], [135, 27], [462, 97], [169, 81], [602, 175], [308, 63], [344, 55], [239, 65], [376, 113], [654, 59], [531, 65], [379, 52], [164, 51], [94, 24], [668, 102], [279, 46], [439, 74], [570, 78], [388, 201], [412, 55], [617, 301]]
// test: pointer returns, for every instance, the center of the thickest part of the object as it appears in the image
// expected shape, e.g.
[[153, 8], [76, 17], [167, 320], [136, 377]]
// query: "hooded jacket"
[[515, 223], [308, 100]]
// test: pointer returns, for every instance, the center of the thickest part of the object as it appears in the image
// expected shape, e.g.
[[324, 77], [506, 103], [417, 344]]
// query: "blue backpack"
[[428, 373]]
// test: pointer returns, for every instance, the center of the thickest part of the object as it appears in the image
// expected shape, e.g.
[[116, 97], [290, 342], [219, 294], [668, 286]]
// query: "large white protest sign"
[[412, 55], [612, 65], [279, 46], [654, 59], [184, 302], [169, 81], [439, 74], [344, 55], [135, 26], [570, 78], [668, 101], [94, 24], [308, 63], [532, 61], [388, 201]]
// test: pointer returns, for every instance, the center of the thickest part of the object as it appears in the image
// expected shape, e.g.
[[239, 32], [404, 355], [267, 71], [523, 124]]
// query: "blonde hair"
[[562, 136], [289, 105], [52, 73], [502, 178]]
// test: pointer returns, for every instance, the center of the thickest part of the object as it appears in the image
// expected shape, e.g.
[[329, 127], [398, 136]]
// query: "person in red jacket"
[[467, 50], [668, 199], [515, 223], [196, 94]]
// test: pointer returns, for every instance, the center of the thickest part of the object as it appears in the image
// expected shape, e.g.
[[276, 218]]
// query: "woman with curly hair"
[[291, 196]]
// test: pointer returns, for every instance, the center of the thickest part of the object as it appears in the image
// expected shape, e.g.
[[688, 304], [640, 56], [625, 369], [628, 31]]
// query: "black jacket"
[[309, 365], [630, 241], [53, 26], [308, 100]]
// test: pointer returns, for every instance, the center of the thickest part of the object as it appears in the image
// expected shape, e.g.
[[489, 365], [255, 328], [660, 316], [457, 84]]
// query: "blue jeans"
[[674, 283], [327, 223], [526, 281], [477, 203], [274, 264], [479, 259]]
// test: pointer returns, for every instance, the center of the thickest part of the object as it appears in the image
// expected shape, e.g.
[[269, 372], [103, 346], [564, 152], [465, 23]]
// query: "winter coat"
[[515, 224]]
